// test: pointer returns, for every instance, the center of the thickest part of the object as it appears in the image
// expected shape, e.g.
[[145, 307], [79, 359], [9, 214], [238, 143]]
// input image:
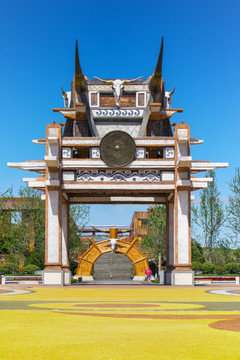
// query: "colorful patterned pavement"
[[120, 322]]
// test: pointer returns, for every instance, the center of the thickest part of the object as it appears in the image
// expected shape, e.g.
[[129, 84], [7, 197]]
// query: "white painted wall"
[[53, 226], [64, 233], [183, 227], [171, 232]]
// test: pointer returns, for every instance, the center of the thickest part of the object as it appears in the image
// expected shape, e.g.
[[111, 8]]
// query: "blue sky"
[[120, 39]]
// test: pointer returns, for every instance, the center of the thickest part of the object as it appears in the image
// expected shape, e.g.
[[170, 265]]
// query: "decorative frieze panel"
[[67, 153], [130, 127], [140, 153], [117, 113], [108, 88], [95, 153], [118, 176], [168, 153]]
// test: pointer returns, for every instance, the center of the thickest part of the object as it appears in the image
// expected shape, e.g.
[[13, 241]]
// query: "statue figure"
[[117, 86]]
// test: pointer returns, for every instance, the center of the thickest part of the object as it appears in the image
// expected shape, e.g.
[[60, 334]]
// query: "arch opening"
[[113, 265], [137, 258]]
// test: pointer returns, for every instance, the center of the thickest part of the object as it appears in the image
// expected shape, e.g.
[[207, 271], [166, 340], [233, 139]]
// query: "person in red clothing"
[[148, 272]]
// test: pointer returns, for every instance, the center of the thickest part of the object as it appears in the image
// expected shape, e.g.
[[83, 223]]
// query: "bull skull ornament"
[[113, 232], [117, 86]]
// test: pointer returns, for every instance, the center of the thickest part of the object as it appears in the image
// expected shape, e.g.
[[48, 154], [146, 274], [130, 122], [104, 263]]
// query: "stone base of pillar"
[[161, 277], [139, 278], [179, 278], [83, 278], [53, 277], [167, 277], [67, 277], [183, 278]]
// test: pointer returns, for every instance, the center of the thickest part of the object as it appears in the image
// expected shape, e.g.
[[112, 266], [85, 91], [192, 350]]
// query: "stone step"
[[113, 266]]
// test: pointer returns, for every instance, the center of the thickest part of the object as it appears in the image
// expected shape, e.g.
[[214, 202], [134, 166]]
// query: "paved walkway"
[[114, 282], [119, 322]]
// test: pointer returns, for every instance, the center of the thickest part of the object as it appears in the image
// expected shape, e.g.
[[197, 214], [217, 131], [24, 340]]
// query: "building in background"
[[139, 224]]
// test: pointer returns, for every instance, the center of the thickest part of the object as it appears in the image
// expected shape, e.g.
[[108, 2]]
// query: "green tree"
[[22, 222], [5, 219], [22, 227], [208, 218], [155, 242], [78, 218], [197, 251], [234, 206]]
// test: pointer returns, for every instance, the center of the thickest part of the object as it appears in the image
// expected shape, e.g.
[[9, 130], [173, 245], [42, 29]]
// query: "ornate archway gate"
[[87, 260], [118, 147]]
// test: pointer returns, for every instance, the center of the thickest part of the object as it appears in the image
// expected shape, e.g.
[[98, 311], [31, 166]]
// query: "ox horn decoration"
[[113, 231], [117, 86]]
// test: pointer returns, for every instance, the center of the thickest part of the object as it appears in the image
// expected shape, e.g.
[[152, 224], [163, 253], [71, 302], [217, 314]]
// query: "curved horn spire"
[[124, 231], [80, 82], [104, 81], [130, 81], [100, 230], [155, 82]]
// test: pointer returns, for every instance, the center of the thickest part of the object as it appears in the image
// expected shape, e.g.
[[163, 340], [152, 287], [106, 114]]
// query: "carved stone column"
[[65, 242], [53, 273], [182, 273], [170, 239]]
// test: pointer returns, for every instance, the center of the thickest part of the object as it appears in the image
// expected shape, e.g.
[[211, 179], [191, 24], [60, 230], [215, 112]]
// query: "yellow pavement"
[[119, 323]]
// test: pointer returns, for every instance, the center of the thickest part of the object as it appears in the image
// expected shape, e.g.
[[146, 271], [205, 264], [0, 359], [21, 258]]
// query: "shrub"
[[197, 266], [220, 257], [220, 270], [36, 258], [232, 268], [30, 269], [197, 251], [73, 266], [237, 253], [208, 268], [9, 268]]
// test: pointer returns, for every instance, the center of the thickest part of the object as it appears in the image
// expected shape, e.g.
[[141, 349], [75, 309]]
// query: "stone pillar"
[[182, 273], [170, 240], [65, 243], [53, 273]]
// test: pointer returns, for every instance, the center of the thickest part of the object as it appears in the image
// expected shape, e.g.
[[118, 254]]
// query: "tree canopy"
[[209, 218], [22, 227], [234, 207], [155, 242]]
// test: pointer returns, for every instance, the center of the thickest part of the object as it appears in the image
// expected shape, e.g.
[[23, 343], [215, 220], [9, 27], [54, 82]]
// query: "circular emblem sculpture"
[[117, 148]]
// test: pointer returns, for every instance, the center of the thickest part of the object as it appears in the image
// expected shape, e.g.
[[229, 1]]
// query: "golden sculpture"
[[122, 246]]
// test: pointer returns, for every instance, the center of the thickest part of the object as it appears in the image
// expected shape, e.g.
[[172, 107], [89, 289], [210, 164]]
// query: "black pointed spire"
[[79, 77], [155, 82], [158, 70]]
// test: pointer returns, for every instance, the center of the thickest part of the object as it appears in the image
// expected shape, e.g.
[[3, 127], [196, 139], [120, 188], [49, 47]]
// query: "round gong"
[[117, 148]]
